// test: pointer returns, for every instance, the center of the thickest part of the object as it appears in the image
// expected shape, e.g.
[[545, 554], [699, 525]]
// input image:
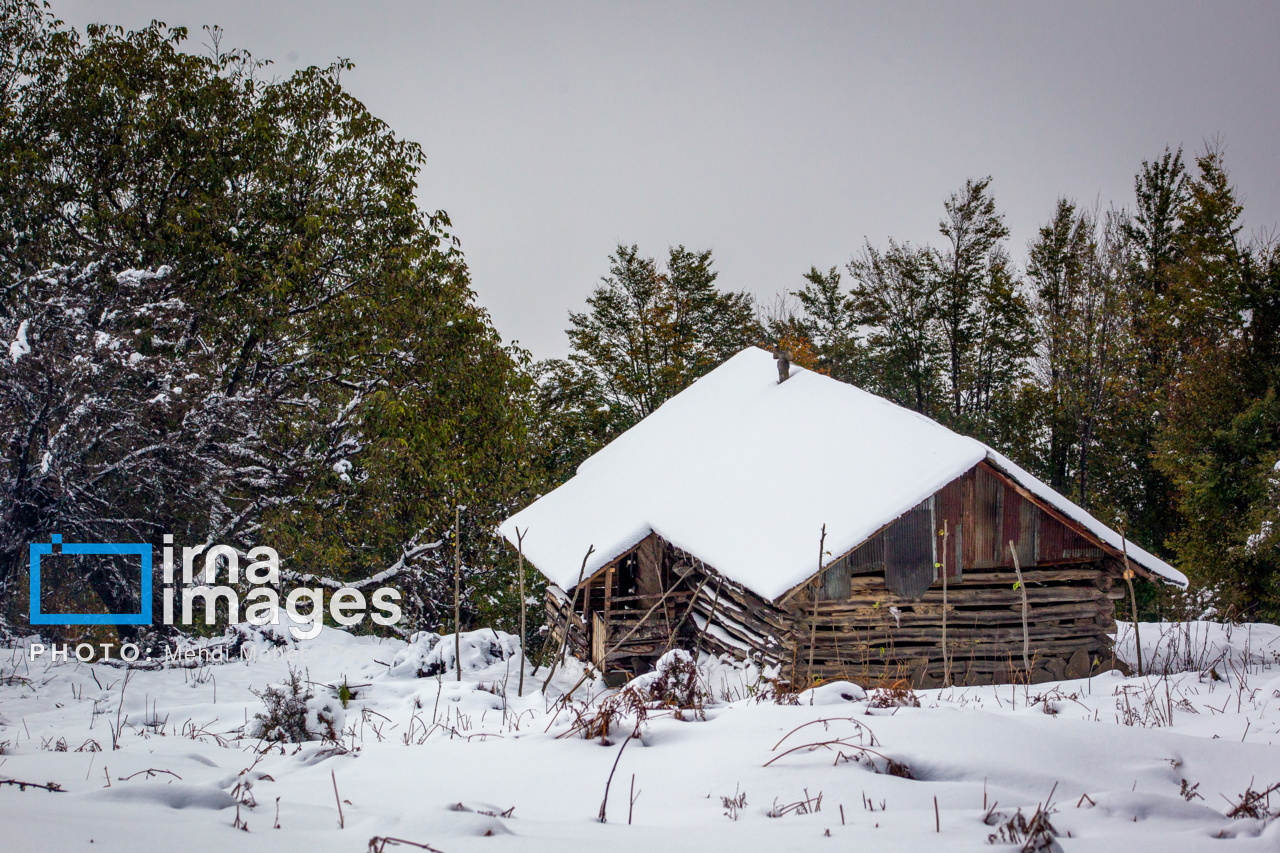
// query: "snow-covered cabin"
[[817, 527]]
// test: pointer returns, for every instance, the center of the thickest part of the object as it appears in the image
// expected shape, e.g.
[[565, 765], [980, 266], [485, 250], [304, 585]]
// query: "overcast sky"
[[778, 135]]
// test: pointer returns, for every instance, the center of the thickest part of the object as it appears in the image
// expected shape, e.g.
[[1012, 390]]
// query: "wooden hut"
[[786, 517]]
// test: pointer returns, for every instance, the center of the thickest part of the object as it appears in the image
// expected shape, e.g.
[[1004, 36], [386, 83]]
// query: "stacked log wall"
[[732, 620], [874, 636], [868, 635]]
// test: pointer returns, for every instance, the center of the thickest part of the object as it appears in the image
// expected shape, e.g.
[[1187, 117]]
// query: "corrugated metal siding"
[[1059, 542], [981, 514], [868, 558], [1019, 525], [910, 551], [949, 517], [987, 527], [835, 583]]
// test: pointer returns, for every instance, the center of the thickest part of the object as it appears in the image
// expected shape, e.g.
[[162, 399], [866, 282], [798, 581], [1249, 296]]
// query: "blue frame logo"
[[141, 549]]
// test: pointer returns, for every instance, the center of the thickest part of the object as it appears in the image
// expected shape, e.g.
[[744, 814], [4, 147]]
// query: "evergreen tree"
[[1153, 232], [1074, 267], [829, 323], [648, 332], [1219, 443], [972, 270]]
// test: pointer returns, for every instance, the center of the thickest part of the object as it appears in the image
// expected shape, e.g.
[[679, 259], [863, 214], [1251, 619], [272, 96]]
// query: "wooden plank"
[[965, 618], [878, 635]]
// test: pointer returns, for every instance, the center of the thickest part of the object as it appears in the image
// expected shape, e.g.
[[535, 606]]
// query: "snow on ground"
[[471, 766]]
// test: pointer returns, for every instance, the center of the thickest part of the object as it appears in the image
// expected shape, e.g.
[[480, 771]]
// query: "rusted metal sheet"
[[1059, 543], [987, 527], [949, 517], [835, 583], [968, 524], [868, 558], [910, 552], [1019, 525]]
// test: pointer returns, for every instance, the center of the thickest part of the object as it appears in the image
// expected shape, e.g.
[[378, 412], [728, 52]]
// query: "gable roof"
[[742, 472]]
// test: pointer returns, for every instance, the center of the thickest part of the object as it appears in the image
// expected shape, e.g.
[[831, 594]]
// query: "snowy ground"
[[471, 766]]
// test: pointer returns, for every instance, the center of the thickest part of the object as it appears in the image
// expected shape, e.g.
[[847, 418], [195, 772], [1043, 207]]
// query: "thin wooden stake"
[[946, 658], [714, 604], [937, 821], [573, 604], [688, 609], [817, 594], [1133, 598], [457, 599], [605, 802], [520, 551], [587, 669], [342, 823], [1026, 635]]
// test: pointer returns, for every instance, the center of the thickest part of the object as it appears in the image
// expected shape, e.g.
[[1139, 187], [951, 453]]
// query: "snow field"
[[470, 765]]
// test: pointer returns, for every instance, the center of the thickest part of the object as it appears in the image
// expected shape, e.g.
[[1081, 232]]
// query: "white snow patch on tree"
[[20, 347]]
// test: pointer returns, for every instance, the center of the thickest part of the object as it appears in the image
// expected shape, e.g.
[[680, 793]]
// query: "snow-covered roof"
[[742, 471]]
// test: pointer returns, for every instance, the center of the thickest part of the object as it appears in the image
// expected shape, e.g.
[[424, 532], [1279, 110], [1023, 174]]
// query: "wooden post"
[[1133, 599], [625, 637], [457, 598], [608, 592], [817, 595], [573, 604], [1026, 635], [520, 552], [946, 658]]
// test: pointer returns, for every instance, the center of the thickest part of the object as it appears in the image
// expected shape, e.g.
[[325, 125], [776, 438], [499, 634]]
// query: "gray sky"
[[778, 135]]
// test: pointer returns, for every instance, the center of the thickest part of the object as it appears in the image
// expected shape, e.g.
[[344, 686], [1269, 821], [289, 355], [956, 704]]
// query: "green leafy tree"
[[352, 394], [829, 321], [979, 311], [1075, 268], [895, 294]]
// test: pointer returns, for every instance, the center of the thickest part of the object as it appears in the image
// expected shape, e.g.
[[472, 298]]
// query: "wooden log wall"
[[874, 636], [869, 635], [733, 620]]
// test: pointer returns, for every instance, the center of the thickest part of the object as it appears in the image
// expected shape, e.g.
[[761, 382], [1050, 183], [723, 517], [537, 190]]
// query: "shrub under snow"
[[294, 714], [431, 654]]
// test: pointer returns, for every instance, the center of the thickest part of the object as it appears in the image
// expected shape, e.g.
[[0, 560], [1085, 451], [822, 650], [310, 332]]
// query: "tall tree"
[[828, 322], [348, 391], [1219, 443], [895, 293], [1074, 267], [970, 264], [1153, 232], [648, 332]]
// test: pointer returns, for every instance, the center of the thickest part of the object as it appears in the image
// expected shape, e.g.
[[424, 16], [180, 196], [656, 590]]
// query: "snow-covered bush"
[[294, 714], [675, 686], [675, 683], [430, 654], [893, 696]]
